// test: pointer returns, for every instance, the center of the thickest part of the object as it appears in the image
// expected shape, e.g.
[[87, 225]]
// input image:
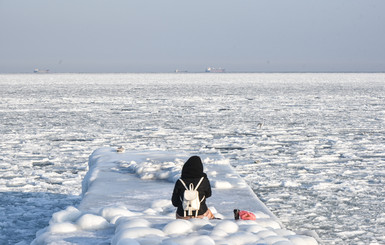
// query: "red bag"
[[246, 215]]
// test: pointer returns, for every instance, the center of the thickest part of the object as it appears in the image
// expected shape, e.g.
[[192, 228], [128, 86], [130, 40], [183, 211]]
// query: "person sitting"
[[192, 173]]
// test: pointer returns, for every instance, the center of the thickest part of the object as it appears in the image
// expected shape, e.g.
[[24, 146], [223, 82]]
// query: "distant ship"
[[215, 70], [40, 71], [180, 71]]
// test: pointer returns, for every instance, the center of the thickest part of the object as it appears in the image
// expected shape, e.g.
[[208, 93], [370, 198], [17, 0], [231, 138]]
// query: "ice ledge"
[[126, 200]]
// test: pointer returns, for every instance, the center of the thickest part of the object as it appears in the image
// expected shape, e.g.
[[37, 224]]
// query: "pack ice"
[[126, 200]]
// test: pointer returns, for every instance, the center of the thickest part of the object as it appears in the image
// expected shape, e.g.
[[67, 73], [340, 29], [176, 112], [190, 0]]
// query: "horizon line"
[[187, 72]]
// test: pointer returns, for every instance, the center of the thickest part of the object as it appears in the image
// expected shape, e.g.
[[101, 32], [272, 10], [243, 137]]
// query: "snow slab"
[[127, 200]]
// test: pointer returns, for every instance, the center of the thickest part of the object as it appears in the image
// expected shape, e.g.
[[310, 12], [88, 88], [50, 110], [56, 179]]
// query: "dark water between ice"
[[318, 160]]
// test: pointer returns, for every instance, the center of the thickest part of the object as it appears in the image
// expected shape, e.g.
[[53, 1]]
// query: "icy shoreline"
[[126, 200]]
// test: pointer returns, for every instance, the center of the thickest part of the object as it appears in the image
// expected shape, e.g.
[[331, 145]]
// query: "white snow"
[[69, 214], [227, 227], [123, 206], [92, 222], [62, 227], [222, 184], [180, 227], [317, 161], [110, 213]]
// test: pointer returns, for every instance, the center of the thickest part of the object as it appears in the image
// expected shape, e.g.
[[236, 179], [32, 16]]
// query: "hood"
[[193, 168]]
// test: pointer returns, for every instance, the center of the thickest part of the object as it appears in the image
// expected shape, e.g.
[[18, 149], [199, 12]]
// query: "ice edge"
[[126, 200]]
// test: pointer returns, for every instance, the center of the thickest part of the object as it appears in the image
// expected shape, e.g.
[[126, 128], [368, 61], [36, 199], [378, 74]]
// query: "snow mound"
[[227, 226], [136, 232], [92, 222], [178, 227], [123, 224], [203, 231], [110, 213], [69, 214], [65, 227], [126, 200]]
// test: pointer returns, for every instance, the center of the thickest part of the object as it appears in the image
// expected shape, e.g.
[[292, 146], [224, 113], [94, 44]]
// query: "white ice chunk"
[[275, 239], [302, 240], [178, 227], [134, 233], [204, 240], [111, 212], [283, 243], [92, 222], [189, 240], [69, 214], [283, 232], [198, 223], [222, 184], [131, 224], [217, 233], [255, 228], [227, 226], [269, 223], [65, 227], [127, 241], [240, 238], [266, 233]]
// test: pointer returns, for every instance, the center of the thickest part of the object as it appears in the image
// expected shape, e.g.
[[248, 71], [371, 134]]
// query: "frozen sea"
[[310, 145]]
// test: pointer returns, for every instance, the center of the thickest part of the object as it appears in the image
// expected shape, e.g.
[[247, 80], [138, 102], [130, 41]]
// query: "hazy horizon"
[[198, 72], [163, 36]]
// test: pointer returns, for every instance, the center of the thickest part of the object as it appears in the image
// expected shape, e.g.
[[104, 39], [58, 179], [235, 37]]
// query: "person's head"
[[193, 168]]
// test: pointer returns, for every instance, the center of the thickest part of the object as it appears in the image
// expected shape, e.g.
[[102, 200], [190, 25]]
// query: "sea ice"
[[317, 128], [91, 222], [178, 227], [125, 208], [69, 214], [63, 227]]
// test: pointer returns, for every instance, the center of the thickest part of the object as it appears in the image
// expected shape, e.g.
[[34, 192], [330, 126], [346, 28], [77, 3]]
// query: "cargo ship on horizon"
[[215, 70], [40, 71]]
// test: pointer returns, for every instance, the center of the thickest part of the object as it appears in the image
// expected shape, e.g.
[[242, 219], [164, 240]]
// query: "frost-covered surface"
[[126, 200], [317, 162]]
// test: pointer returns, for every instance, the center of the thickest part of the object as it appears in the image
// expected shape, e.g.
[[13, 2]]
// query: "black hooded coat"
[[192, 172]]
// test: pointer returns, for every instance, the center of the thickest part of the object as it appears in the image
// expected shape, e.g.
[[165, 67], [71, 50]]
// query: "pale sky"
[[164, 35]]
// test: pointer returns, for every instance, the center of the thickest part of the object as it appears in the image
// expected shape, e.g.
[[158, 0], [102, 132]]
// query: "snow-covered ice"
[[122, 206], [311, 146]]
